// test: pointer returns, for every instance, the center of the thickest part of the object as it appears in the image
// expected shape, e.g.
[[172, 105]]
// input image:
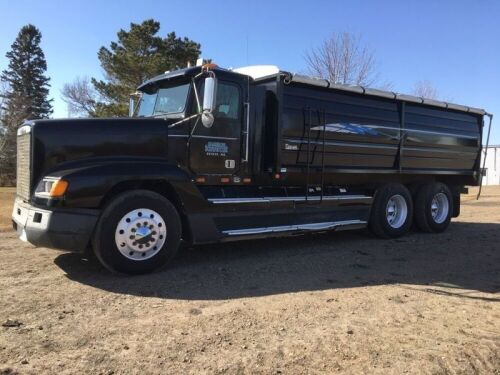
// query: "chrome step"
[[311, 227], [288, 199]]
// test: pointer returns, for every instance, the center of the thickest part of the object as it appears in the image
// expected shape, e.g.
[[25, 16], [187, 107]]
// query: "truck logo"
[[216, 149]]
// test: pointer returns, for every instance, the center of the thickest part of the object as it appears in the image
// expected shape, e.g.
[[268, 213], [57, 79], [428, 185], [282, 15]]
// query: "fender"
[[90, 182]]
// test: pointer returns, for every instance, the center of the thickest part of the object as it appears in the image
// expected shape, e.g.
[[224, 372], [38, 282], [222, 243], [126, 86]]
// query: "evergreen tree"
[[136, 56], [26, 92], [28, 87]]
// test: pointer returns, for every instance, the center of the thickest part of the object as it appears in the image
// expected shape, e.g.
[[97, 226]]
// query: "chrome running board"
[[312, 227]]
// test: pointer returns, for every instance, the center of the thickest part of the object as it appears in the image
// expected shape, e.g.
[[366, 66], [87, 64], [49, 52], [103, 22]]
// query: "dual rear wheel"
[[394, 209]]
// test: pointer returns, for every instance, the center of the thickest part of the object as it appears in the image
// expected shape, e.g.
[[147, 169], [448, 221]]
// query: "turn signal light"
[[200, 180], [247, 180], [225, 180], [58, 188]]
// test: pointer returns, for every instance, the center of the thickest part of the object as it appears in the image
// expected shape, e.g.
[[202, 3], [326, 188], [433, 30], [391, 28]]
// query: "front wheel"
[[392, 211], [138, 232]]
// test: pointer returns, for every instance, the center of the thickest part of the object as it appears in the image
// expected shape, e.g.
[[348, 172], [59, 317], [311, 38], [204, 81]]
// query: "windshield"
[[165, 101]]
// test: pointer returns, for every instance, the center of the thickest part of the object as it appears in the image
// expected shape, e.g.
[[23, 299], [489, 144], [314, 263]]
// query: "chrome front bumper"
[[65, 229]]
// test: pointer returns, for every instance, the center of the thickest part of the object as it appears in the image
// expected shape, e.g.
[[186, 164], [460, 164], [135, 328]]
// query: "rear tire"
[[433, 207], [138, 231], [392, 211]]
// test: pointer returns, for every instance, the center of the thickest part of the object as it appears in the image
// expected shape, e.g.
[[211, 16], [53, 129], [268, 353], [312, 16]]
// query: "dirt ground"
[[330, 303]]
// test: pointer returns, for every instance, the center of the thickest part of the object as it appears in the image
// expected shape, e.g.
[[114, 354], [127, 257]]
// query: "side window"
[[228, 101]]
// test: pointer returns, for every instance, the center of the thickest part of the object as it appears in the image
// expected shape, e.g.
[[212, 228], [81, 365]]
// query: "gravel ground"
[[330, 303]]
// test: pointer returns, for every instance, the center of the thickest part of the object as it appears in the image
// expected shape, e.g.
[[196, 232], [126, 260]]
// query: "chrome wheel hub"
[[440, 208], [396, 211], [140, 234]]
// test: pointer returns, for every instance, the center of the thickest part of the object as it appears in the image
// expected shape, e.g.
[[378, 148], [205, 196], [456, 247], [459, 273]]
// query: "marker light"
[[58, 188], [209, 66]]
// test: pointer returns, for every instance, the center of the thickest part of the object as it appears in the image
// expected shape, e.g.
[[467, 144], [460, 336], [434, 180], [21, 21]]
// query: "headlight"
[[51, 187]]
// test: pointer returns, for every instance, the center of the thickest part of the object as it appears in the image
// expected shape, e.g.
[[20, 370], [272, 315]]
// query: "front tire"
[[392, 211], [433, 207], [138, 231]]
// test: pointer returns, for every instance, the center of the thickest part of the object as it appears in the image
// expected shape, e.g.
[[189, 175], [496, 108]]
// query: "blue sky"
[[453, 44]]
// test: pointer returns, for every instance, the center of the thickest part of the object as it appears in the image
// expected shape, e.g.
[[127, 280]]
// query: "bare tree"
[[342, 58], [80, 97], [425, 89]]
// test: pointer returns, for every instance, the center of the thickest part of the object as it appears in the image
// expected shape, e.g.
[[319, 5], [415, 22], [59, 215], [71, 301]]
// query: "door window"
[[227, 101]]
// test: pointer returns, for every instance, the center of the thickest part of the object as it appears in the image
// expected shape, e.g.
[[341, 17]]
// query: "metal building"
[[491, 173]]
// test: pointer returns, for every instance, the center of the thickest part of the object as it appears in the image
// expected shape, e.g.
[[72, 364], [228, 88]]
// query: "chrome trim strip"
[[287, 199], [24, 129], [329, 225], [202, 137], [441, 133], [346, 144], [237, 200]]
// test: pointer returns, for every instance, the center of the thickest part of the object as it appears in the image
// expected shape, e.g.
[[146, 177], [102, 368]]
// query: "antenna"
[[248, 77]]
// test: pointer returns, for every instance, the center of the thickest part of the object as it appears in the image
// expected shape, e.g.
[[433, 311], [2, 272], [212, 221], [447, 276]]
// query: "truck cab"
[[203, 119]]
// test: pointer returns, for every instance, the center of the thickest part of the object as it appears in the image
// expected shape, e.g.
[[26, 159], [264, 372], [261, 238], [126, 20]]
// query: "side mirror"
[[207, 119], [209, 94]]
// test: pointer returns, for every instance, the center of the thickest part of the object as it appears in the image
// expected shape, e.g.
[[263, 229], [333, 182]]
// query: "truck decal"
[[216, 149]]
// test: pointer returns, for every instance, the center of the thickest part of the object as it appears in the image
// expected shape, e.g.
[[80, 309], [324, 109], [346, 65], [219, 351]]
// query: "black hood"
[[56, 143]]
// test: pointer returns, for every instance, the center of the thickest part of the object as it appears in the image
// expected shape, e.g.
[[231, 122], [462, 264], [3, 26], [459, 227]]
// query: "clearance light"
[[247, 180], [277, 176], [225, 180], [209, 66], [200, 180]]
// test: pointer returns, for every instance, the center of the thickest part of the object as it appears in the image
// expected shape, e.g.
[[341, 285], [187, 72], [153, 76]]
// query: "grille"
[[24, 166]]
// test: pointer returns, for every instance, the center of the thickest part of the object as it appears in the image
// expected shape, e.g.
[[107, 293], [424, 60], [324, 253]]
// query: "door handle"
[[245, 132]]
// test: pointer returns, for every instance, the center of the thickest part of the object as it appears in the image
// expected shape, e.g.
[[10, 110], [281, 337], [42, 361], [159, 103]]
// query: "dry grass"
[[6, 200]]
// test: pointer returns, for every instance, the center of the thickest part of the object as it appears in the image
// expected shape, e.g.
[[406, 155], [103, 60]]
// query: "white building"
[[492, 167]]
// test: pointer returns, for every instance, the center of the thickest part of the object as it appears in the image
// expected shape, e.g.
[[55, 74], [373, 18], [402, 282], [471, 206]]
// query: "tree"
[[343, 59], [3, 128], [25, 91], [425, 89], [25, 75], [137, 55]]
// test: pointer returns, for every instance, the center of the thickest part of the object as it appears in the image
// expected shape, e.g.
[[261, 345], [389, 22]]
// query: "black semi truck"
[[212, 155]]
